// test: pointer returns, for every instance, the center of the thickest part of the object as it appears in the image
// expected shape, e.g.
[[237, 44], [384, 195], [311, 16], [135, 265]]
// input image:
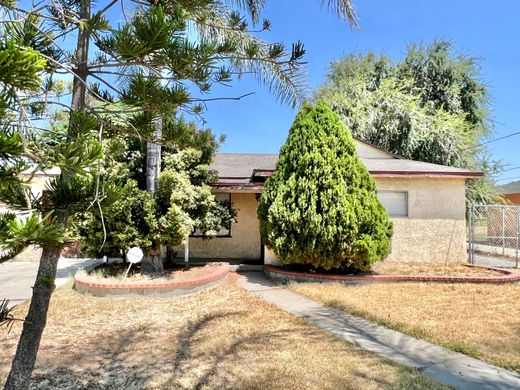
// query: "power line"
[[509, 178], [510, 169], [493, 140]]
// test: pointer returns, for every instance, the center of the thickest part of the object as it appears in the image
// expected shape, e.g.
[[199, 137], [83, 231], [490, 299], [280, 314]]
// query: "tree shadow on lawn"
[[216, 372], [217, 350], [221, 371], [112, 361]]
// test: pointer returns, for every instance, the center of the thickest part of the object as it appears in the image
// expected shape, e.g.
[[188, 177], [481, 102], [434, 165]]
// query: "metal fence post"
[[503, 231], [517, 232], [470, 235]]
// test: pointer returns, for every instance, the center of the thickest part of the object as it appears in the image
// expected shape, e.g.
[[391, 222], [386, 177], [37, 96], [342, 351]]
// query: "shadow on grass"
[[120, 360], [217, 371], [191, 358]]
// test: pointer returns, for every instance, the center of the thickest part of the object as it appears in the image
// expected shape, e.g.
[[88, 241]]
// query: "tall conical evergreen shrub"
[[320, 206]]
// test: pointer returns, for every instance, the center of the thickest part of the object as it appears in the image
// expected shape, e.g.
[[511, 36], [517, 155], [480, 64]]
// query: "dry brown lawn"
[[401, 268], [219, 338], [480, 320]]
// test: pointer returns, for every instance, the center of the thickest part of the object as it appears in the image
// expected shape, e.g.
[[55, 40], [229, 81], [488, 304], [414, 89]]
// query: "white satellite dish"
[[134, 255]]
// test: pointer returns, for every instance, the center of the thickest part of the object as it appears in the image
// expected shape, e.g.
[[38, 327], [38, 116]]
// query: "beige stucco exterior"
[[244, 240], [429, 198], [434, 230]]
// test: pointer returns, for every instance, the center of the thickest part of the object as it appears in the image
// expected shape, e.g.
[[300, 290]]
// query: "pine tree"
[[320, 207], [147, 63]]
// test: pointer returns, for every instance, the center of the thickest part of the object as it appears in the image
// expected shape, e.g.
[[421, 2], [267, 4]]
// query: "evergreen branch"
[[6, 317], [108, 6], [106, 83], [289, 84], [71, 71], [224, 98]]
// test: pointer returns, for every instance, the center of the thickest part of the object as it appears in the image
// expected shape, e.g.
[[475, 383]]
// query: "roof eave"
[[256, 187], [426, 174]]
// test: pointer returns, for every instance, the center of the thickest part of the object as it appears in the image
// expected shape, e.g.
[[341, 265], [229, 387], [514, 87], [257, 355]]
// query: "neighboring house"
[[38, 182], [511, 192], [426, 203]]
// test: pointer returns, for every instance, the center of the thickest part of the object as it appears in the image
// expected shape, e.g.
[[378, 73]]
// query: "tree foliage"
[[159, 60], [430, 106], [130, 216], [320, 207]]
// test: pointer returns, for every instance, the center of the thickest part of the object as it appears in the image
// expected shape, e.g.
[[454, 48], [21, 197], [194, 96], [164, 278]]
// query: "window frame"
[[406, 199]]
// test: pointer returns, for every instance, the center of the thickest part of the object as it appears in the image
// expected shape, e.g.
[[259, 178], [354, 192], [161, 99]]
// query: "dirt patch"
[[398, 268], [116, 272], [220, 338]]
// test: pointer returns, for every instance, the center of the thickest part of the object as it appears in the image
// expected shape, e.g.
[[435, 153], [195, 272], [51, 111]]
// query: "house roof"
[[509, 188], [236, 169]]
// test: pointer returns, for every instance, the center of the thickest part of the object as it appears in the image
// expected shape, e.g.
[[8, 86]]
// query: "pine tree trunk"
[[79, 84], [25, 358], [153, 159], [29, 343]]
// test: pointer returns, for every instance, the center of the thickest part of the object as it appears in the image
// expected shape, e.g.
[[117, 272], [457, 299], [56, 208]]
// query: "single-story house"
[[426, 203], [511, 192]]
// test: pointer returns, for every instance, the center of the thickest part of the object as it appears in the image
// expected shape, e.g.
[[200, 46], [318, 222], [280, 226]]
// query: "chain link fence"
[[494, 235]]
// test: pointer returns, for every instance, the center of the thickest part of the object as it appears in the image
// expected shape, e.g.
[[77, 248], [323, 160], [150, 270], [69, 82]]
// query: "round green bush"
[[320, 207]]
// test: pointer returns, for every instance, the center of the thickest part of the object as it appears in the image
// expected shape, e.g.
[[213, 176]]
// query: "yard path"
[[17, 277], [446, 366]]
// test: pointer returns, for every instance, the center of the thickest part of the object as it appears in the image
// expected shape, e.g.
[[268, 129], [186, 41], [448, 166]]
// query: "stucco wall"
[[434, 230], [429, 241], [244, 242]]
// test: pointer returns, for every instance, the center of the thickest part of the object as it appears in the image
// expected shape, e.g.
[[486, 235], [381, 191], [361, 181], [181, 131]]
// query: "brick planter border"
[[277, 273], [158, 287]]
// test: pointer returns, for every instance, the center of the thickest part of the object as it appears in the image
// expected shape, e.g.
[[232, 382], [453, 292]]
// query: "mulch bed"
[[401, 268], [176, 271]]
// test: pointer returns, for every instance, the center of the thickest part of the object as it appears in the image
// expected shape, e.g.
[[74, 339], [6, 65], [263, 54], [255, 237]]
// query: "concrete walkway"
[[17, 277], [446, 366]]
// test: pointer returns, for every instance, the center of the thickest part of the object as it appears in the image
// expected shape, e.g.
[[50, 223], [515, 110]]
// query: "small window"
[[223, 232], [395, 202]]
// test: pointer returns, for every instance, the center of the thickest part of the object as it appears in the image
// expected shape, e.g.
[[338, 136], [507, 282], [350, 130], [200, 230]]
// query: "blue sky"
[[488, 30]]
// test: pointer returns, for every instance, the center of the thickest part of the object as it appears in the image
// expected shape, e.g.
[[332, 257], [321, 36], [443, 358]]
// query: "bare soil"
[[177, 272], [398, 268]]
